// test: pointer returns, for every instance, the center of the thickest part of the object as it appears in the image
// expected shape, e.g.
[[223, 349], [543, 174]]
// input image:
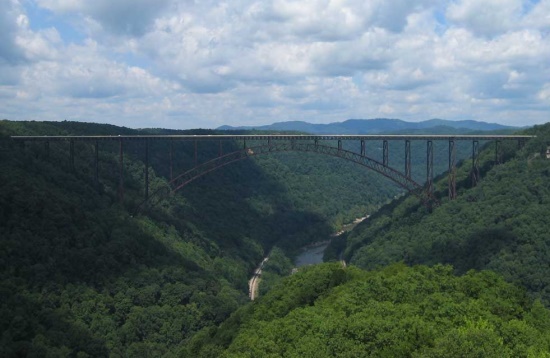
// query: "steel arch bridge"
[[273, 143], [187, 177]]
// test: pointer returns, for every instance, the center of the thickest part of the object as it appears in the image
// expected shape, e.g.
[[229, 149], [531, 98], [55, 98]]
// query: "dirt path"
[[255, 280]]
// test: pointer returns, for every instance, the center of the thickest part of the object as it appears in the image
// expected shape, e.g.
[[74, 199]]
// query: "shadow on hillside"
[[36, 329]]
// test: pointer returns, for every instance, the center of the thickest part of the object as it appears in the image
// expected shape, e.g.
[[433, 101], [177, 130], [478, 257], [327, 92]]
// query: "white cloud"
[[203, 64], [488, 17], [121, 17]]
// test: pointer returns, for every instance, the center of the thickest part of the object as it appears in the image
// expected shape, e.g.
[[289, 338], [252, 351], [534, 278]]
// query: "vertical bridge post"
[[47, 149], [71, 153], [452, 169], [96, 163], [385, 158], [475, 163], [196, 157], [339, 145], [363, 148], [408, 158], [146, 169], [171, 159], [429, 167], [121, 171], [497, 151]]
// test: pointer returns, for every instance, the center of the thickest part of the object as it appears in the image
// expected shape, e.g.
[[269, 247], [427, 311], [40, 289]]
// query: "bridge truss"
[[300, 143]]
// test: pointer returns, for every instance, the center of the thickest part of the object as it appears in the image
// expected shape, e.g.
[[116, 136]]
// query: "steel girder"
[[399, 178]]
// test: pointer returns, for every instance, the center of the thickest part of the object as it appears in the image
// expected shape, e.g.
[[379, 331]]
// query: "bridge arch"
[[202, 169]]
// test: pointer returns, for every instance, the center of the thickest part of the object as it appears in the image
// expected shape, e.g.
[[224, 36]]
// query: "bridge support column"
[[408, 158], [452, 169], [269, 143], [339, 145], [196, 156], [363, 148], [385, 156], [429, 167], [497, 152], [171, 160], [47, 149], [220, 153], [96, 164], [475, 163], [121, 171], [146, 169], [71, 153]]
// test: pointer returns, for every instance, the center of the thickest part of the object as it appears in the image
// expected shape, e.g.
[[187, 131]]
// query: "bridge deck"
[[276, 137]]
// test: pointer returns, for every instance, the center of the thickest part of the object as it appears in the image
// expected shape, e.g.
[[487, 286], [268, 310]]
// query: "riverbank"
[[254, 282], [313, 253]]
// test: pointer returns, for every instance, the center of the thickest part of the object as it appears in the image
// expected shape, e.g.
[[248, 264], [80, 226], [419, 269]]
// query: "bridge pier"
[[220, 153], [96, 164], [146, 169], [196, 157], [363, 148], [171, 155], [385, 158], [452, 169], [339, 145], [71, 153], [497, 152], [121, 171], [475, 163], [429, 167], [408, 158], [47, 149]]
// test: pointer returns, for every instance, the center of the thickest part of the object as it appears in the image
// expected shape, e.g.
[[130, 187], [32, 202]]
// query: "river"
[[313, 253]]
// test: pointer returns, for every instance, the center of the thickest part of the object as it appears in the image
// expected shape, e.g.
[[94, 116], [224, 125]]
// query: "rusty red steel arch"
[[200, 170]]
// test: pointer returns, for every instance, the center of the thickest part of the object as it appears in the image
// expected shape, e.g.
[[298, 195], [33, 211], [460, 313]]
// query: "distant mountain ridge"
[[373, 126]]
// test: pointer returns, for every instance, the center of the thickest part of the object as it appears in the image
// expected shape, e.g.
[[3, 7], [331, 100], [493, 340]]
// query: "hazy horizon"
[[181, 65]]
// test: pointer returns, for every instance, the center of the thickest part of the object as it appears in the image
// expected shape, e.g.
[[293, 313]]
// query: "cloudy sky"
[[189, 64]]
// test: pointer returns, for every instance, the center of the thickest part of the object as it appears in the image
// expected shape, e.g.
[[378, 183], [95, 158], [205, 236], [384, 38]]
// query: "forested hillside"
[[501, 225], [331, 311], [80, 273], [83, 274]]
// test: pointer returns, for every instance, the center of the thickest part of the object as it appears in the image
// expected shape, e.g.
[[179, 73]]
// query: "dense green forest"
[[82, 273], [501, 224], [331, 311]]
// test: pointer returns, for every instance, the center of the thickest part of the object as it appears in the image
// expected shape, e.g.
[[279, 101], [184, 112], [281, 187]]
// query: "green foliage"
[[82, 274], [277, 267], [393, 312], [502, 224]]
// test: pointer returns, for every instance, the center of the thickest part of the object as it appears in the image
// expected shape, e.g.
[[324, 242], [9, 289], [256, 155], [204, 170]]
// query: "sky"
[[202, 64]]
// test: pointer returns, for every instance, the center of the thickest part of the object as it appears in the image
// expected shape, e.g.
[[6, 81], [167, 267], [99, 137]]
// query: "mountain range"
[[375, 126]]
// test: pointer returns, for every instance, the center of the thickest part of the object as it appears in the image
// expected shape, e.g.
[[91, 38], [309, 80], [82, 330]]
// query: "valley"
[[83, 274]]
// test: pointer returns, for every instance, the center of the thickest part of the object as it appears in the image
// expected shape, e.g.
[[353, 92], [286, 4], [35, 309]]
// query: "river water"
[[313, 254]]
